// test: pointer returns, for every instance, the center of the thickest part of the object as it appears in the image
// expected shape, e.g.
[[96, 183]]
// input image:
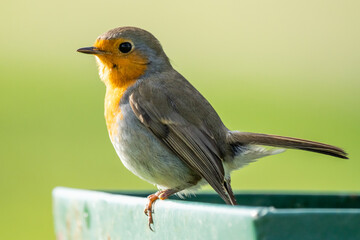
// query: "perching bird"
[[164, 130]]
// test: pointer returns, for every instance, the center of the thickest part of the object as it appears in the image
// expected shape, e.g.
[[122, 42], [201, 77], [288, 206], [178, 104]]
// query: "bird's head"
[[126, 53]]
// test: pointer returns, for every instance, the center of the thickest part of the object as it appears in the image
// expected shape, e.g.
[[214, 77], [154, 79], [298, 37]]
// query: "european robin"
[[164, 130]]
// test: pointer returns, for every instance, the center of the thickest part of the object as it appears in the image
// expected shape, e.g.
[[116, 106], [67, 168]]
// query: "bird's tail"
[[246, 138]]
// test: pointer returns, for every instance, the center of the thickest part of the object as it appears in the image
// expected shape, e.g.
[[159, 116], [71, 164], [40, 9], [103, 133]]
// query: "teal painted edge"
[[306, 224], [83, 214]]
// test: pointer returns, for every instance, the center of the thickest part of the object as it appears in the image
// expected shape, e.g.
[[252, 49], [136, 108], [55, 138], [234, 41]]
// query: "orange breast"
[[118, 73], [112, 109]]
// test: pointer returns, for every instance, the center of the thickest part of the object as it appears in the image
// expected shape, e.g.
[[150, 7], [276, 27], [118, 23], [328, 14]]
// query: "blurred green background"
[[280, 67]]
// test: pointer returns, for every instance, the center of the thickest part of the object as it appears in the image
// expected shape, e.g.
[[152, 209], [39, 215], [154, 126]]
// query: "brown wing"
[[191, 143]]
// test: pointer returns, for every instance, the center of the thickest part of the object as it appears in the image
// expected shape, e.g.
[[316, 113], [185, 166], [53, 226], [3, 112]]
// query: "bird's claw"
[[148, 209], [151, 222]]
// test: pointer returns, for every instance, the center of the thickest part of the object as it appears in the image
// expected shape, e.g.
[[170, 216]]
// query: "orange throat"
[[114, 93], [118, 73]]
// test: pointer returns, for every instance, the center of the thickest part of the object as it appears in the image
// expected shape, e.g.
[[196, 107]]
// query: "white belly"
[[146, 156]]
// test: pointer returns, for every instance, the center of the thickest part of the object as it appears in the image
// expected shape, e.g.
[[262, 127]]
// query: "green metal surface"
[[82, 214]]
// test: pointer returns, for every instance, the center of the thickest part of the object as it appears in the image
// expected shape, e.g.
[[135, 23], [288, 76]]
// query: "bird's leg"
[[163, 194]]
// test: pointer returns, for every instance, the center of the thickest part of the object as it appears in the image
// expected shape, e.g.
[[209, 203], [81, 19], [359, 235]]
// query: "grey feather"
[[189, 138]]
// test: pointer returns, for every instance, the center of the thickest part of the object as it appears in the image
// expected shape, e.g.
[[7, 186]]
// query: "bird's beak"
[[91, 50]]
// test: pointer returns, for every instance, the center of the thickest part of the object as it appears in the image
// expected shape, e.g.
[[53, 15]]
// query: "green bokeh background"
[[280, 67]]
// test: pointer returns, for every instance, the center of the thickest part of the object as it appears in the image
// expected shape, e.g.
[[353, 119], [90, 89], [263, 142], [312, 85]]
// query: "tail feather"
[[244, 138]]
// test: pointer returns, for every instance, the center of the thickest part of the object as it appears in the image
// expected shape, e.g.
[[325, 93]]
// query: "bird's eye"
[[125, 47]]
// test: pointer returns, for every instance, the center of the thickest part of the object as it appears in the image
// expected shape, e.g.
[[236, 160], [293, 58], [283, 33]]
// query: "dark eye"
[[125, 47]]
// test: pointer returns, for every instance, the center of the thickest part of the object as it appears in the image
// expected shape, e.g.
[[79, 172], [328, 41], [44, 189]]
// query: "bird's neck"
[[117, 81]]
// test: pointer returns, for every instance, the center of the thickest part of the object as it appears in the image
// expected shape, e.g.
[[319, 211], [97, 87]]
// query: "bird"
[[165, 131]]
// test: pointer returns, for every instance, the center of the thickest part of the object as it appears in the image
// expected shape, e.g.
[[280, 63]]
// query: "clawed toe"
[[164, 194], [148, 209]]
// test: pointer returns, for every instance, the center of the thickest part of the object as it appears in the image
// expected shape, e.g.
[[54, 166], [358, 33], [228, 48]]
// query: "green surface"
[[81, 214], [280, 67]]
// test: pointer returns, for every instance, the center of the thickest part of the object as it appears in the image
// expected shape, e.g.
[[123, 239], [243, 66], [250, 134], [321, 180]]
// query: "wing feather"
[[190, 143]]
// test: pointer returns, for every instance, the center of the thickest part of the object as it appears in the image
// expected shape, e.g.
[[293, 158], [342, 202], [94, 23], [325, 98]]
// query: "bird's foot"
[[164, 194], [149, 207]]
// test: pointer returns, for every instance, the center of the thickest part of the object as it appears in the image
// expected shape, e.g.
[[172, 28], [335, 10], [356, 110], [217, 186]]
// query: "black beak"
[[90, 50]]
